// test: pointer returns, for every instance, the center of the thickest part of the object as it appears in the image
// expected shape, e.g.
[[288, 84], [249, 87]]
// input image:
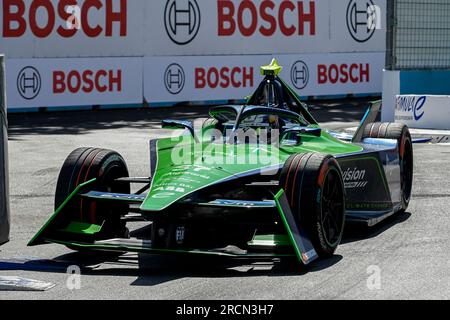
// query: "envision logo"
[[354, 178], [182, 20]]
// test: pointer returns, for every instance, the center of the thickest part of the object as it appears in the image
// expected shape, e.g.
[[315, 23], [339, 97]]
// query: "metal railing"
[[418, 34]]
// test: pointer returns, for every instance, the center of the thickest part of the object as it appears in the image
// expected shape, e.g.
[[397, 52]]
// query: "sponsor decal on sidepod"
[[354, 178]]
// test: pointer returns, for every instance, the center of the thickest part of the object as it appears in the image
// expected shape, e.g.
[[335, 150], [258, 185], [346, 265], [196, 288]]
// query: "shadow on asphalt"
[[351, 110], [358, 232], [82, 122], [151, 270]]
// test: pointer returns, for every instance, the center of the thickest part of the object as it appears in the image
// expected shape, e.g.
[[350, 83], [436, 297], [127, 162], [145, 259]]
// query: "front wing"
[[78, 235]]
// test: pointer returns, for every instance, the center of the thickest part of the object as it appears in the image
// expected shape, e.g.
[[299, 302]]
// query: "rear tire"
[[315, 191], [399, 132], [82, 165]]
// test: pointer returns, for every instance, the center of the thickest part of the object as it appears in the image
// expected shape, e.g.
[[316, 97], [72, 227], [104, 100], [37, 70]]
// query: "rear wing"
[[370, 116]]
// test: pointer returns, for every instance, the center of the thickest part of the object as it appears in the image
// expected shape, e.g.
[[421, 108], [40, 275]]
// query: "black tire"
[[82, 165], [399, 132], [315, 190]]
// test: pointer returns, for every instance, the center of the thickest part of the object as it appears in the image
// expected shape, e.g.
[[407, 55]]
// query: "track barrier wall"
[[418, 57], [4, 181], [129, 52], [423, 111]]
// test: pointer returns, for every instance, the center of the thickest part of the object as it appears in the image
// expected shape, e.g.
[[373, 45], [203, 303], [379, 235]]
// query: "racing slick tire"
[[84, 164], [315, 190], [399, 132]]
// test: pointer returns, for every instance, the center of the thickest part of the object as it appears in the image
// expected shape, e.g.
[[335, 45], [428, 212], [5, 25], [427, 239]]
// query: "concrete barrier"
[[4, 183], [411, 82], [423, 111]]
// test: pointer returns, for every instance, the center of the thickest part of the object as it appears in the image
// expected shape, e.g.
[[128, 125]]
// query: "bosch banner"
[[71, 28], [176, 78], [337, 47], [207, 27], [55, 82], [74, 28]]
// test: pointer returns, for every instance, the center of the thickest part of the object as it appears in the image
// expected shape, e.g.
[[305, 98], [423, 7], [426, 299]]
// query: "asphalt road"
[[411, 251]]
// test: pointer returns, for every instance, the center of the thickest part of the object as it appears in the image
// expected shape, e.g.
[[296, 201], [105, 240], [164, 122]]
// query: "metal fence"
[[418, 34]]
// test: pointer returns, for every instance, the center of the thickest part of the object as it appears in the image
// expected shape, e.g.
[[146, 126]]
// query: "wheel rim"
[[332, 208], [406, 168]]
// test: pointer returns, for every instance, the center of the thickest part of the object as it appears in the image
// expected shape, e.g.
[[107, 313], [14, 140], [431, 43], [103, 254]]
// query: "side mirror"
[[299, 131], [179, 124]]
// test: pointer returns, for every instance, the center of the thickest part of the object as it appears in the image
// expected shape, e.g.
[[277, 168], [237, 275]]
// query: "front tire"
[[84, 164], [315, 190]]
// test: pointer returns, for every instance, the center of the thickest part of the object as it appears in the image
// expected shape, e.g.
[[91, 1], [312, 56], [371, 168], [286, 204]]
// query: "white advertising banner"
[[210, 27], [196, 78], [210, 49], [73, 82], [423, 111], [71, 28]]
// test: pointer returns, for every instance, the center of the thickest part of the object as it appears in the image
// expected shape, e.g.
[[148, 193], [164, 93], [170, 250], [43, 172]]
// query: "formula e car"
[[258, 180]]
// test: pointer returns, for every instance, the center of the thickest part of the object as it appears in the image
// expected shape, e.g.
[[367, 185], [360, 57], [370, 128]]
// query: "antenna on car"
[[270, 72], [273, 69]]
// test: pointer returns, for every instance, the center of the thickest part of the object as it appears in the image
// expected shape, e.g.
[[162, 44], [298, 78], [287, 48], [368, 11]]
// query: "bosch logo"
[[45, 18], [29, 83], [343, 73], [174, 78], [363, 18], [248, 18], [225, 77], [299, 75], [182, 20], [87, 81]]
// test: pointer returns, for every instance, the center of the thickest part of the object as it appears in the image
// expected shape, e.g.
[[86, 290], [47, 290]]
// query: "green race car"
[[259, 180]]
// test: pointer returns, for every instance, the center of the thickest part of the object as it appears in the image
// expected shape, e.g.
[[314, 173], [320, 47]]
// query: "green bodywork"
[[82, 228], [204, 163], [174, 180], [40, 235]]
